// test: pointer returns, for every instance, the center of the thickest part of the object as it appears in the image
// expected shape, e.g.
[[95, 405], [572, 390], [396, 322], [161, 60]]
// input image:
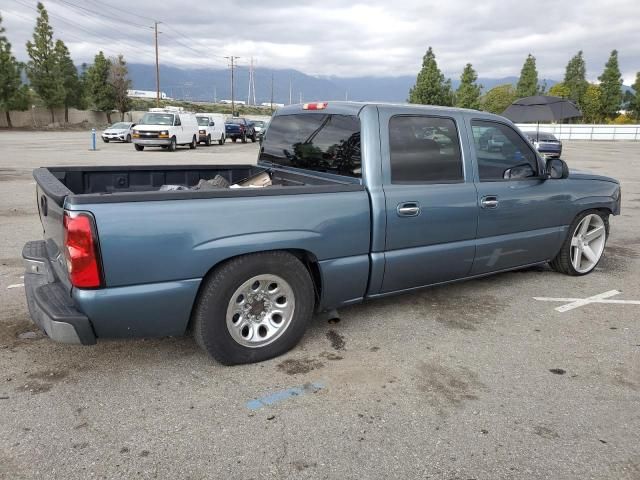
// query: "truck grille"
[[144, 134]]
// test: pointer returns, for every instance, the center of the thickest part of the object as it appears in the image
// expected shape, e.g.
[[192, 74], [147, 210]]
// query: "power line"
[[99, 14]]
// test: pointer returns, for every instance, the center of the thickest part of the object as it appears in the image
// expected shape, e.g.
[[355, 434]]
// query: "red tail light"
[[81, 250], [315, 106]]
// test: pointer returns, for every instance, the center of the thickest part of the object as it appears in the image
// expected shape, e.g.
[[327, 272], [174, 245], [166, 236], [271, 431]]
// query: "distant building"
[[268, 104], [237, 102], [146, 94]]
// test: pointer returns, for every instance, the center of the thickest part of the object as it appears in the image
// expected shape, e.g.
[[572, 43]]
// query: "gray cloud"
[[333, 37]]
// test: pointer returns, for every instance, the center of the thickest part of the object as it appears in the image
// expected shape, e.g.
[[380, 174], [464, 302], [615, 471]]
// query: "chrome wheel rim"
[[587, 243], [260, 311]]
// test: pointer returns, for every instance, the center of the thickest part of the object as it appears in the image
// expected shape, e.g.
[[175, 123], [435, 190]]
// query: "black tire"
[[244, 138], [128, 140], [562, 261], [234, 139], [193, 144], [253, 138], [207, 142], [105, 140], [139, 148], [209, 317], [222, 140], [172, 145]]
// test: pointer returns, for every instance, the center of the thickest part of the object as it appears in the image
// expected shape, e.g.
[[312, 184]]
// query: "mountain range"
[[206, 84]]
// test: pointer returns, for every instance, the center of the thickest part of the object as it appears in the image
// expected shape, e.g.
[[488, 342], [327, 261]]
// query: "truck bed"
[[110, 184]]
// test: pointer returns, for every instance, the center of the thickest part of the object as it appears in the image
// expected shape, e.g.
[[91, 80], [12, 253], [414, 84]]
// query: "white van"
[[210, 128], [167, 128]]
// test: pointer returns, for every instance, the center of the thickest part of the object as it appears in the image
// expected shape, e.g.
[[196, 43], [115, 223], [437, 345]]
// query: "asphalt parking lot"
[[476, 380]]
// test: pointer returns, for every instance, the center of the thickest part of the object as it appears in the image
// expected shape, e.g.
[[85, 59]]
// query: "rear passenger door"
[[431, 203], [521, 212]]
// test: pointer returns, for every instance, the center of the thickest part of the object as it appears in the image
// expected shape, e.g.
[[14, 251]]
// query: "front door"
[[431, 205], [520, 216]]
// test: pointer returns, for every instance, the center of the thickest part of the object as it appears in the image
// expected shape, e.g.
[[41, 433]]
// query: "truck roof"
[[353, 108]]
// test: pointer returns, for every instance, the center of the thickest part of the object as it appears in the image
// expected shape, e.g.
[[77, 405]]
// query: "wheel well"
[[307, 258]]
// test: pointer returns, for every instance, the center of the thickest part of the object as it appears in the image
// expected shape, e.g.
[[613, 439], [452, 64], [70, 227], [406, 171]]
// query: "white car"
[[167, 128], [210, 128], [120, 132]]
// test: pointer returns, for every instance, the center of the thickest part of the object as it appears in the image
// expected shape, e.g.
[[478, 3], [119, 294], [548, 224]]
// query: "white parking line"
[[580, 302], [15, 285]]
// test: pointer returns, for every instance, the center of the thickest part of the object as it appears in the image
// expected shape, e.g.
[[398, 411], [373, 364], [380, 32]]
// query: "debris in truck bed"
[[172, 188], [212, 184], [260, 180], [257, 181]]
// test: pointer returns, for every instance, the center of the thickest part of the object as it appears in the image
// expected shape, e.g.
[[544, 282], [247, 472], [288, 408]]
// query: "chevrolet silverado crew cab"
[[166, 128], [240, 128], [347, 202]]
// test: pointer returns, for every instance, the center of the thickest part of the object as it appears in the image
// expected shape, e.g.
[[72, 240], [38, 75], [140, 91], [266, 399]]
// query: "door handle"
[[408, 209], [489, 201]]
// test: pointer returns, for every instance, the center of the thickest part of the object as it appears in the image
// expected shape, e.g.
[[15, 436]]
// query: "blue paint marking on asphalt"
[[276, 397]]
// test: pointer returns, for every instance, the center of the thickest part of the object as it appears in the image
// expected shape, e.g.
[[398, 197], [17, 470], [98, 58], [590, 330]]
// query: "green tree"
[[10, 83], [468, 92], [560, 90], [611, 86], [528, 82], [120, 81], [634, 104], [431, 87], [43, 68], [575, 78], [101, 93], [592, 104], [498, 98], [70, 80]]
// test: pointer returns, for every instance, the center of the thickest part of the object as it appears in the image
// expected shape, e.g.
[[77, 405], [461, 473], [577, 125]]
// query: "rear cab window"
[[424, 149], [320, 142]]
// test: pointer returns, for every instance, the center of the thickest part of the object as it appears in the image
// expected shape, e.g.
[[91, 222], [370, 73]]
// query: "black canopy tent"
[[541, 108]]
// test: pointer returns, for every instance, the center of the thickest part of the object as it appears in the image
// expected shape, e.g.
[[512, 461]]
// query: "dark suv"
[[240, 128]]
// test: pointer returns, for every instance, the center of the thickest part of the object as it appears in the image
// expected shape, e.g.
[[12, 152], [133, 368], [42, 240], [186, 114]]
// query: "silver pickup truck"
[[361, 201]]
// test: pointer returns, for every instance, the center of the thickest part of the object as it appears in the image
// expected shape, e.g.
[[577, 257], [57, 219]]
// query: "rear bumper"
[[50, 305]]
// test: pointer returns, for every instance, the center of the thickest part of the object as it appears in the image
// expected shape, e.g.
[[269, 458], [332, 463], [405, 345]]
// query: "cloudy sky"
[[334, 37]]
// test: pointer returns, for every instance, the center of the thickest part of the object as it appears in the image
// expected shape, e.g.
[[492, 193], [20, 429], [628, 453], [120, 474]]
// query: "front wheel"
[[139, 148], [105, 140], [207, 142], [234, 139], [128, 140], [172, 145], [585, 242], [254, 307], [193, 144], [253, 138]]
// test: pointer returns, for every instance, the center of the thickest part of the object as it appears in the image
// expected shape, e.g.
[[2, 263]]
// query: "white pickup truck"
[[166, 128]]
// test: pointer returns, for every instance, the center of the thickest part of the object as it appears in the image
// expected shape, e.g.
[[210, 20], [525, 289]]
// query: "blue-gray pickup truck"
[[362, 201]]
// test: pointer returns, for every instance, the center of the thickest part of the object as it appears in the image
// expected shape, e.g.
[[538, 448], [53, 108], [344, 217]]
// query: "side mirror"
[[557, 168], [212, 124], [519, 171]]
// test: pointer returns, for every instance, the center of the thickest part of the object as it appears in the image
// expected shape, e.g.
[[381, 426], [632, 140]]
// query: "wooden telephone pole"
[[232, 58], [155, 30]]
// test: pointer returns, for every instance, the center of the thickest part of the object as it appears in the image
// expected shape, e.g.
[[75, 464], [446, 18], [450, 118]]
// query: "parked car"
[[211, 128], [355, 205], [240, 128], [260, 127], [545, 143], [120, 131], [167, 128]]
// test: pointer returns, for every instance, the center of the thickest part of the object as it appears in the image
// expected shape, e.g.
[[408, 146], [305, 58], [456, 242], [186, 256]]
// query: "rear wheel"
[[172, 145], [585, 242], [253, 138], [194, 143], [234, 139], [244, 138], [222, 140], [139, 148], [128, 140], [105, 140], [254, 307]]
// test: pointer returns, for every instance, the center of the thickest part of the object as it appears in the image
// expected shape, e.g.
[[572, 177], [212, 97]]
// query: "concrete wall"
[[586, 131]]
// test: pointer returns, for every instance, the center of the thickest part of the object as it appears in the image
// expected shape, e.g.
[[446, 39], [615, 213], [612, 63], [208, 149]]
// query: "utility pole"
[[290, 91], [272, 94], [232, 58], [155, 30]]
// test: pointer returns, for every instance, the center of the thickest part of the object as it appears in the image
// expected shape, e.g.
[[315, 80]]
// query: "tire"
[[172, 145], [193, 144], [244, 138], [222, 140], [234, 139], [105, 140], [139, 148], [214, 312], [207, 142], [253, 138], [128, 140], [565, 261]]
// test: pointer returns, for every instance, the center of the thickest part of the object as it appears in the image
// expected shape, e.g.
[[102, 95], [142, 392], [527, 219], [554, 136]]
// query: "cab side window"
[[177, 122], [502, 154], [424, 150]]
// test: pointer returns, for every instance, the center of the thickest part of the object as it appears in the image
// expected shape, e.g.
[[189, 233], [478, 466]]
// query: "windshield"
[[325, 143], [120, 126], [157, 119], [258, 123], [203, 121]]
